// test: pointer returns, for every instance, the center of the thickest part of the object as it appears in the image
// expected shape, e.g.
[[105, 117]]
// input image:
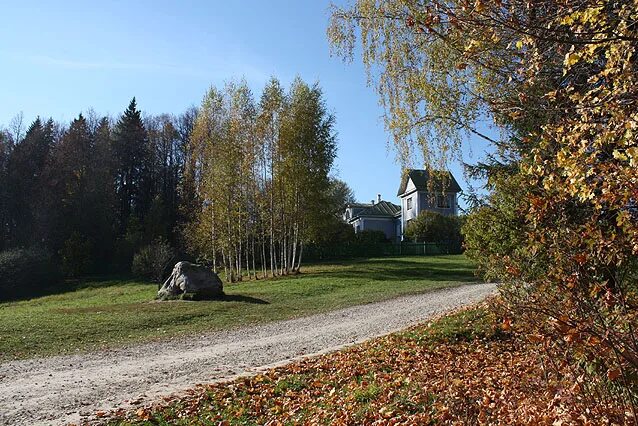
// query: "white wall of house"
[[410, 186], [407, 214]]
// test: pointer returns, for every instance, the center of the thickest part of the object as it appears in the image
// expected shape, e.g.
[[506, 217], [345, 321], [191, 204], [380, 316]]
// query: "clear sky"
[[58, 59]]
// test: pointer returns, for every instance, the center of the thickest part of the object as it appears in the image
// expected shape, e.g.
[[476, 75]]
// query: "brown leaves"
[[427, 374], [507, 324], [613, 374], [143, 413]]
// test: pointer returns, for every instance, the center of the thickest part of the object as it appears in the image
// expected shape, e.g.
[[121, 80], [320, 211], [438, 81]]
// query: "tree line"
[[240, 184]]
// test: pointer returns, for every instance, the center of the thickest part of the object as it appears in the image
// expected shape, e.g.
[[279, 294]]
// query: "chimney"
[[372, 202], [378, 198]]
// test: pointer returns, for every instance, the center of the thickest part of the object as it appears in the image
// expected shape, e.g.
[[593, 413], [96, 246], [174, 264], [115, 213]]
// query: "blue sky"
[[60, 58]]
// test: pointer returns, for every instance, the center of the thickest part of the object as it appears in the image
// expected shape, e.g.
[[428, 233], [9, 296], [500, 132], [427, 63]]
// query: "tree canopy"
[[559, 80], [263, 176]]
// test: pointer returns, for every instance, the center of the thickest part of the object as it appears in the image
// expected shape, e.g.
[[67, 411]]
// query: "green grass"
[[464, 326], [106, 313]]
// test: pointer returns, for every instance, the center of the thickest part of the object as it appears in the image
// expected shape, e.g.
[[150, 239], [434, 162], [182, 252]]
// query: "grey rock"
[[192, 281]]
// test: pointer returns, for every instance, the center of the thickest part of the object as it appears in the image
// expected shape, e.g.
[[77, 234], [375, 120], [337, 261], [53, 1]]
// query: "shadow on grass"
[[74, 284], [375, 269], [157, 304], [389, 269], [243, 299], [208, 297]]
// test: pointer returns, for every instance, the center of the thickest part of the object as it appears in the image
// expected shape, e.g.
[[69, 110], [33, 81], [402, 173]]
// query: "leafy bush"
[[336, 232], [432, 227], [154, 260], [495, 229], [27, 273]]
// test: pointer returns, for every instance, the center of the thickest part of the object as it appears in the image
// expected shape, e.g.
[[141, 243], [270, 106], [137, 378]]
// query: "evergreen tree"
[[27, 187], [69, 178], [130, 149], [102, 186], [81, 182], [188, 200]]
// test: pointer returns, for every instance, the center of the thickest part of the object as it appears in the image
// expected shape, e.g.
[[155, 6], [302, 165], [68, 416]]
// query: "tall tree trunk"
[[293, 250], [226, 270], [299, 258], [246, 253], [272, 225], [263, 257], [295, 231], [213, 238], [253, 256]]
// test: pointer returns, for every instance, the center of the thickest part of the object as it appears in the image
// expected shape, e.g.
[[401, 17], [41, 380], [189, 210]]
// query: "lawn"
[[106, 313]]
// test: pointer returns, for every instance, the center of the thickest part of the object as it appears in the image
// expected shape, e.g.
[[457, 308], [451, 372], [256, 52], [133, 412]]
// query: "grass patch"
[[105, 313], [463, 326], [367, 393], [292, 383]]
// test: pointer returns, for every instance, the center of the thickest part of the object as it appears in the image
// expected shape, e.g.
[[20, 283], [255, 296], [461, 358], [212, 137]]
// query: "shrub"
[[432, 227], [337, 232], [27, 273], [154, 260]]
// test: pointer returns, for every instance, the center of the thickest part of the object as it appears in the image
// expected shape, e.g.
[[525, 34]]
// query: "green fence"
[[357, 250]]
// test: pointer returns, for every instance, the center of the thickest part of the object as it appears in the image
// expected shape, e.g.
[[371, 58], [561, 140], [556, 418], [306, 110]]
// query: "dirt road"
[[63, 389]]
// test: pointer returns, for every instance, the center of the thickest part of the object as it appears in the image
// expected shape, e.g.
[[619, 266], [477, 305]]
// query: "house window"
[[409, 203], [443, 201]]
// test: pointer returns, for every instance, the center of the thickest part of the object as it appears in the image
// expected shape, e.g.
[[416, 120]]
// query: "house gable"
[[423, 180], [410, 186]]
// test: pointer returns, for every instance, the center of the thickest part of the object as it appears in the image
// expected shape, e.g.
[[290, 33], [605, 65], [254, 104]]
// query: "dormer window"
[[443, 201], [409, 204]]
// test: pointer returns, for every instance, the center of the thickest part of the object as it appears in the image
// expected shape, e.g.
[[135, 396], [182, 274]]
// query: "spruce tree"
[[27, 188], [130, 149], [73, 204]]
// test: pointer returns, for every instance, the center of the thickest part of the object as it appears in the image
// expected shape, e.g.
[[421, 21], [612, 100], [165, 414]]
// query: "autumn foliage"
[[560, 79]]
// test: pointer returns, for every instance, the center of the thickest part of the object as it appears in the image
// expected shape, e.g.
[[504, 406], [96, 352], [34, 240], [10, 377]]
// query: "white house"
[[419, 191]]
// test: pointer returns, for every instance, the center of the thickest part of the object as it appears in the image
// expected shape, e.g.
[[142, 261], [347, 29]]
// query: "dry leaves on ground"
[[463, 369]]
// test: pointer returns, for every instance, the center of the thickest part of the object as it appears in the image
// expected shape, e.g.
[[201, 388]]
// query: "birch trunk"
[[300, 255]]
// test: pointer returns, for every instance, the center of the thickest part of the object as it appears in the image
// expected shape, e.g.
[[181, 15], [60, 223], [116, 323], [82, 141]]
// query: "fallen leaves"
[[464, 369]]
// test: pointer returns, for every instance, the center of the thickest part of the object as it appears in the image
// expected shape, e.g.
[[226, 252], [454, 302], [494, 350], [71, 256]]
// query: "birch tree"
[[261, 174]]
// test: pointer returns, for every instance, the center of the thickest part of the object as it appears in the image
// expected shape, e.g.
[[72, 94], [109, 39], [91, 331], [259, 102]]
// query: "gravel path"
[[63, 389]]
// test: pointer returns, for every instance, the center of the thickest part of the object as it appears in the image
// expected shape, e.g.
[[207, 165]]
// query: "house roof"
[[380, 209], [421, 178]]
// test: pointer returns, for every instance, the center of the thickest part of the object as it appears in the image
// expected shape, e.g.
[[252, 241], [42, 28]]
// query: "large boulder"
[[191, 281]]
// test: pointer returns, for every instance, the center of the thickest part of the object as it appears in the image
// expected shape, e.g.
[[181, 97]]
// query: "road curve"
[[65, 389]]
